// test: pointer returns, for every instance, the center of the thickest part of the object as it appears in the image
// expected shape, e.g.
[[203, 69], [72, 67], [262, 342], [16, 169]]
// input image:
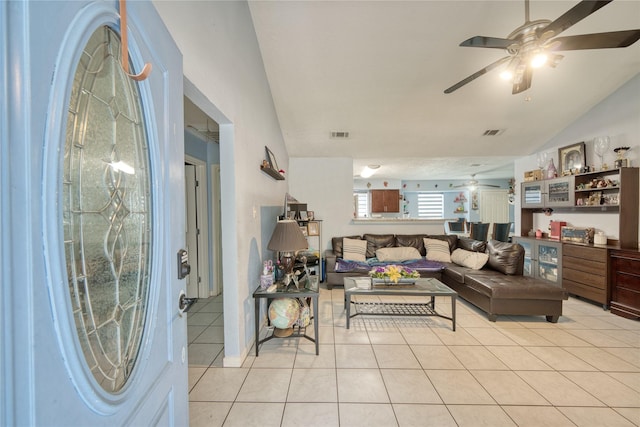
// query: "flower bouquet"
[[393, 275]]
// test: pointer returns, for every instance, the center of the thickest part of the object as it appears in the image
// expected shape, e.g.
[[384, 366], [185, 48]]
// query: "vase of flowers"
[[393, 274]]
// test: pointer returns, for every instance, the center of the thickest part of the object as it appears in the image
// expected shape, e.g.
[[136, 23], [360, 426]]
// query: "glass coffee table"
[[427, 287]]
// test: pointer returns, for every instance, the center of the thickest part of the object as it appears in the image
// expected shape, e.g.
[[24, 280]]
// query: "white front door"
[[92, 203]]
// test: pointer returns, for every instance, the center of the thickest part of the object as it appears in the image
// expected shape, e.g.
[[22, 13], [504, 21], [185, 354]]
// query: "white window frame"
[[361, 200], [430, 205]]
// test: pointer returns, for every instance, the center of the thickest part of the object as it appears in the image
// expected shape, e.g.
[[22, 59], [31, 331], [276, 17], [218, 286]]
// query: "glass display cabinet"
[[557, 192], [542, 259]]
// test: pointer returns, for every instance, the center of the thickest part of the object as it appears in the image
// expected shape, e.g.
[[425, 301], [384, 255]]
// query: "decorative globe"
[[284, 312]]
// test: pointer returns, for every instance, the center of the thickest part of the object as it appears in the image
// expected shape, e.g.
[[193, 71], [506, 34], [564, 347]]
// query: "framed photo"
[[304, 231], [291, 215], [572, 158], [577, 235], [474, 200], [271, 159], [313, 228], [304, 216], [310, 215]]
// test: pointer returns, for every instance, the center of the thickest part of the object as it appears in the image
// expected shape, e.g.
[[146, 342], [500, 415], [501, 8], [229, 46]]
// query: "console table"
[[308, 288]]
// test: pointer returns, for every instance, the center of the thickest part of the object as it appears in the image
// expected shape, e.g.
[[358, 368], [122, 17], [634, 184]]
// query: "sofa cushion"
[[354, 249], [455, 272], [437, 250], [412, 240], [469, 244], [473, 260], [507, 258], [397, 254], [336, 243], [451, 239], [377, 241], [514, 287]]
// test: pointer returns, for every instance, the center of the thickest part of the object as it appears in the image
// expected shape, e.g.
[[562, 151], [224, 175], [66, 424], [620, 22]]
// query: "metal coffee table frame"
[[427, 287]]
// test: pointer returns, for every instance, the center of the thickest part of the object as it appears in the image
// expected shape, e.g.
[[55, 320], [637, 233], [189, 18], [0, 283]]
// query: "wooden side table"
[[310, 290]]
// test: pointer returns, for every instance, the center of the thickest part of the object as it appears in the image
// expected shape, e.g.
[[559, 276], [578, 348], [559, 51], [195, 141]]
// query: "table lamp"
[[287, 239]]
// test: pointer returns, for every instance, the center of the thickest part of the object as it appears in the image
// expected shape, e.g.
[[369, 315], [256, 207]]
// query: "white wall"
[[617, 116], [326, 186], [222, 59]]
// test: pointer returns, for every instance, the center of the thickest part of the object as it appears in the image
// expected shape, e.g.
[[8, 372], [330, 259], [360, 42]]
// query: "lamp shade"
[[287, 237]]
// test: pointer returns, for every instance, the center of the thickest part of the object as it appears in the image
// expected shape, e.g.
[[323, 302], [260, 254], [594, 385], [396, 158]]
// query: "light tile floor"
[[518, 371]]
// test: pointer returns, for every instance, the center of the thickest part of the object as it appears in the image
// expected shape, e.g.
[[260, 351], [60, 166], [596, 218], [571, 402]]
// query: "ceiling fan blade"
[[571, 17], [523, 83], [488, 42], [477, 74], [609, 40], [488, 185]]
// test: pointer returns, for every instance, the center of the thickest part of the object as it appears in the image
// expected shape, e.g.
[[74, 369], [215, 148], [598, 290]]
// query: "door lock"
[[184, 303], [183, 264]]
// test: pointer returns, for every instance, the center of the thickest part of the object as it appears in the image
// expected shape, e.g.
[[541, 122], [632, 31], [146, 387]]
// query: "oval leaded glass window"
[[107, 212]]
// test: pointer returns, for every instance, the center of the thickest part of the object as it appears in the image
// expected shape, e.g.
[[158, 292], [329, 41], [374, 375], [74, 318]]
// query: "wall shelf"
[[272, 173]]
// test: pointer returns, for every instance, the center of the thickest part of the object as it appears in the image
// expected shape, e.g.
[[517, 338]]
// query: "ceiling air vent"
[[340, 134], [493, 132]]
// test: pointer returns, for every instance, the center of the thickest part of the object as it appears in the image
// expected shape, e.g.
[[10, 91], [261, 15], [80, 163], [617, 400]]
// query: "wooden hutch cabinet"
[[625, 283], [385, 201], [609, 275], [622, 197]]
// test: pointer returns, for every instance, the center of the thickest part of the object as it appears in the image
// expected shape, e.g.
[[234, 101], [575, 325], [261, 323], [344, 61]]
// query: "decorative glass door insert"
[[107, 212]]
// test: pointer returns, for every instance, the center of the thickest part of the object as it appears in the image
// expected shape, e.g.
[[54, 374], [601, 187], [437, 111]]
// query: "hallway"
[[206, 334]]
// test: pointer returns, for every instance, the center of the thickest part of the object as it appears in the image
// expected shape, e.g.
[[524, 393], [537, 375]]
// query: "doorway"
[[205, 331], [197, 227], [202, 201]]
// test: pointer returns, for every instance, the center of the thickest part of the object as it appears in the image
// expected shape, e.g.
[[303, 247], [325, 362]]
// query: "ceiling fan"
[[474, 184], [533, 44]]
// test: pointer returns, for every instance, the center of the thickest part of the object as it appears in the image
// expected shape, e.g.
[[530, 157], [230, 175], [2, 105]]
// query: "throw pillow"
[[336, 243], [437, 250], [470, 259], [397, 254], [354, 249]]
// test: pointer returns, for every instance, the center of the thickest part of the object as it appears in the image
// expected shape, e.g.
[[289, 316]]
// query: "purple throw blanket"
[[343, 266]]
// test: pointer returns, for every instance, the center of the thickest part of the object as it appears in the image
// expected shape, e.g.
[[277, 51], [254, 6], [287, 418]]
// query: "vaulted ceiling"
[[378, 70]]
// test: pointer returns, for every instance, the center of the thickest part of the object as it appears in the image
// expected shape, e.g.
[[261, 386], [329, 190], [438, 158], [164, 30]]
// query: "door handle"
[[184, 303]]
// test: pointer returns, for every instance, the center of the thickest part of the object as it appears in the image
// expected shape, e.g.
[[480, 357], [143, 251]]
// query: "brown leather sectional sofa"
[[499, 288]]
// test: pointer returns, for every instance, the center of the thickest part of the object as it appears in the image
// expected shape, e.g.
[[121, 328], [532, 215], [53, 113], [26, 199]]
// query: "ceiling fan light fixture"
[[369, 170], [539, 59], [555, 60], [506, 75], [529, 43]]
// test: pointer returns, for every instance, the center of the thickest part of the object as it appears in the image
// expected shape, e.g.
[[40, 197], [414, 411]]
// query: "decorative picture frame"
[[577, 234], [313, 228], [304, 216], [572, 158], [310, 215], [474, 201], [271, 159], [304, 230], [291, 215]]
